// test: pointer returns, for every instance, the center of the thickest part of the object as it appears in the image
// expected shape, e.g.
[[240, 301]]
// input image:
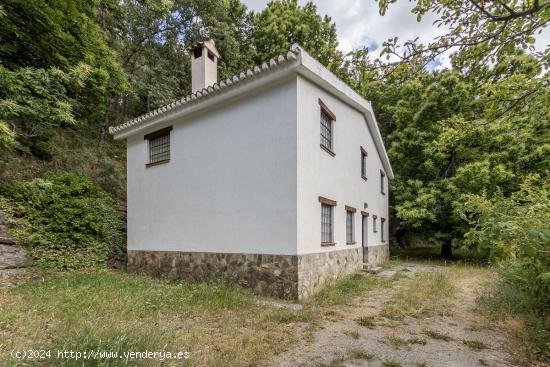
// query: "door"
[[364, 239]]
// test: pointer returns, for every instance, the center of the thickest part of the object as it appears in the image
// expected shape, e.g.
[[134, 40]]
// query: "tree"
[[283, 23], [478, 30]]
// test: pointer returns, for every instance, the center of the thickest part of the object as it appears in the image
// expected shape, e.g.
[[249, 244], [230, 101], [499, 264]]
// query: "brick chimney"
[[204, 65]]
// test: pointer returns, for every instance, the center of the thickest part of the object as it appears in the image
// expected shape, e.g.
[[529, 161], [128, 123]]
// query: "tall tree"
[[284, 22]]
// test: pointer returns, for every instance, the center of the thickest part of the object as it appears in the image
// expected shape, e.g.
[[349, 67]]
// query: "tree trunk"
[[447, 250]]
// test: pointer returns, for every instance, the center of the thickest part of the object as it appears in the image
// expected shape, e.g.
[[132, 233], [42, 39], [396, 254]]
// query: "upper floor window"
[[159, 146], [327, 225], [350, 214], [382, 183], [327, 119], [374, 217], [363, 163], [382, 233]]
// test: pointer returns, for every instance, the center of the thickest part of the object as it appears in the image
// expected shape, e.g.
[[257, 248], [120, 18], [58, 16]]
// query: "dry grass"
[[218, 324], [424, 294]]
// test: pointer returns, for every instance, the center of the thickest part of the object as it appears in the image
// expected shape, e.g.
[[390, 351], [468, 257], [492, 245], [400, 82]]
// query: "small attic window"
[[197, 52], [211, 55]]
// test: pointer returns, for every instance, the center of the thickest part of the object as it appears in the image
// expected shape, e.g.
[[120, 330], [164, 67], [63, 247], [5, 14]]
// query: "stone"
[[293, 277], [13, 257]]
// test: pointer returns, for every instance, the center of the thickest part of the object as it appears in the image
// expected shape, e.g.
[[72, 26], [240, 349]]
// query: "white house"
[[276, 178]]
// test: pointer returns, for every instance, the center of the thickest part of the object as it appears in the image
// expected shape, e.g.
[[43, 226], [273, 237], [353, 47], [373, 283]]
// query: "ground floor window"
[[349, 227], [326, 224], [382, 232]]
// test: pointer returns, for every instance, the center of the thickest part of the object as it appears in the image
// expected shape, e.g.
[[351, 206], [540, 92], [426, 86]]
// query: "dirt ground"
[[457, 340]]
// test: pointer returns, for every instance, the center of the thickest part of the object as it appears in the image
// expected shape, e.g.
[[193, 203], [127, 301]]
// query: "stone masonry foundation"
[[293, 277]]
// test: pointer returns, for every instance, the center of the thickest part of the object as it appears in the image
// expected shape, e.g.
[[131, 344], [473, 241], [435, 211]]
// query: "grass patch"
[[416, 340], [396, 342], [362, 354], [366, 321], [346, 288], [425, 294], [437, 335], [218, 323], [354, 334], [388, 362], [476, 345]]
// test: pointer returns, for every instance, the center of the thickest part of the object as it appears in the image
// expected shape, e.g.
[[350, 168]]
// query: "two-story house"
[[276, 178]]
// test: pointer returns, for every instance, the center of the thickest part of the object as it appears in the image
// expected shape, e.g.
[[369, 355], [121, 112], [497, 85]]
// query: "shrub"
[[65, 219], [516, 231]]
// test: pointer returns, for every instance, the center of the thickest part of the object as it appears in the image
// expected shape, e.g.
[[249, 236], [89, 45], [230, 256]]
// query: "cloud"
[[359, 24]]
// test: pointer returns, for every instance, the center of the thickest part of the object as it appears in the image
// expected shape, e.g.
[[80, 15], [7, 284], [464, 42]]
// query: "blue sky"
[[359, 24]]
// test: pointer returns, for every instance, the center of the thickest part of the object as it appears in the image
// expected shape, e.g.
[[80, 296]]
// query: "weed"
[[362, 354], [474, 344], [353, 334], [388, 362], [396, 342], [346, 288], [366, 321], [417, 340], [437, 335]]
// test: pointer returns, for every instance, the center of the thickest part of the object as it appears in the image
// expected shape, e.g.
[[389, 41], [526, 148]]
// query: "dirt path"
[[436, 341]]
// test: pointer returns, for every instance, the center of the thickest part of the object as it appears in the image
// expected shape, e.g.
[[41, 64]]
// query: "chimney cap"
[[209, 44]]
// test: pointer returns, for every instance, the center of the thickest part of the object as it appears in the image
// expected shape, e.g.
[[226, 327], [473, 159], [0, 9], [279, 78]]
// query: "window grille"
[[159, 145], [326, 129], [363, 163], [382, 185], [382, 235], [374, 224], [326, 224], [349, 226]]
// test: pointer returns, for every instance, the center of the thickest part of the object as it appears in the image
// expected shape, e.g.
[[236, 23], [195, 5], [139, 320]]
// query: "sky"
[[359, 24]]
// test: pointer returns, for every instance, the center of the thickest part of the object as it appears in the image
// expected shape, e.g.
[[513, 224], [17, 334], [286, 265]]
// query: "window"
[[159, 146], [327, 118], [382, 223], [374, 217], [350, 227], [382, 184], [327, 226], [197, 52], [326, 223], [363, 163]]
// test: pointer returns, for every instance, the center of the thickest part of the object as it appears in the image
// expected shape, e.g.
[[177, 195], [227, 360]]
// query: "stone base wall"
[[318, 270], [293, 277], [378, 254], [270, 275]]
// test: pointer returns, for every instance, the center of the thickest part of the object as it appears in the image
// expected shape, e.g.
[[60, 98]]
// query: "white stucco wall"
[[337, 178], [230, 185]]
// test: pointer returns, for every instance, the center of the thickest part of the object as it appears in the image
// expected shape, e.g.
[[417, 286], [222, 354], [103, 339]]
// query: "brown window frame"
[[364, 155], [382, 222], [151, 139], [327, 143], [382, 186], [327, 204], [350, 213]]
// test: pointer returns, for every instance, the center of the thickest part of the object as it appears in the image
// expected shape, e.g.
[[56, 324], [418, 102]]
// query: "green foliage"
[[283, 23], [65, 219], [516, 231]]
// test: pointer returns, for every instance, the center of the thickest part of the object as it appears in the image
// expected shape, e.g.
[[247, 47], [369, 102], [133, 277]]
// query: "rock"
[[7, 241], [12, 257]]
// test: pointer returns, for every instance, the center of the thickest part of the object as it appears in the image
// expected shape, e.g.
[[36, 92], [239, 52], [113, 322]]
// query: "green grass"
[[388, 362], [346, 288], [424, 294], [218, 323], [437, 335], [366, 321], [396, 342], [362, 354], [476, 345]]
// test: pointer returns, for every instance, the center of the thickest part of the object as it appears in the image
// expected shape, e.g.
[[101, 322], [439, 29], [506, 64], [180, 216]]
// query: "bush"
[[65, 219], [516, 232]]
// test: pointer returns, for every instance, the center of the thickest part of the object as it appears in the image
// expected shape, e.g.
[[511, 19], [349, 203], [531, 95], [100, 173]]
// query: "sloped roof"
[[295, 60]]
